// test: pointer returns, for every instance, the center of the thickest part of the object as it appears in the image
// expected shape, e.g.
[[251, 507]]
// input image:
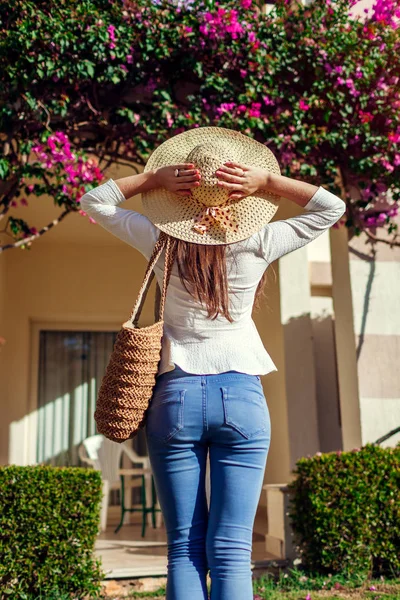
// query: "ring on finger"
[[176, 172]]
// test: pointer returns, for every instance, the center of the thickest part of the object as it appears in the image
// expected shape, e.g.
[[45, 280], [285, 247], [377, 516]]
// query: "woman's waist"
[[188, 377], [183, 332]]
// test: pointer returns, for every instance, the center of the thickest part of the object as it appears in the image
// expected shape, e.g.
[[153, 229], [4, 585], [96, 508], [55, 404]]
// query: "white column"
[[299, 359]]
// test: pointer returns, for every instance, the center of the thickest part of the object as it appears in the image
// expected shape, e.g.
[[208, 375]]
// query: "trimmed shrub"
[[49, 519], [345, 511]]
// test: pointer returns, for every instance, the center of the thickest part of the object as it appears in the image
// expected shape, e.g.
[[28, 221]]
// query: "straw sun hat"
[[209, 216]]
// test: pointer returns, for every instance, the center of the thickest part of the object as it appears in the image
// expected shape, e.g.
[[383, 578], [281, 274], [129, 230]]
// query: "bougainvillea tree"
[[97, 82]]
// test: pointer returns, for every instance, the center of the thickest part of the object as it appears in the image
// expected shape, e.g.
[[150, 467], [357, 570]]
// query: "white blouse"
[[191, 340]]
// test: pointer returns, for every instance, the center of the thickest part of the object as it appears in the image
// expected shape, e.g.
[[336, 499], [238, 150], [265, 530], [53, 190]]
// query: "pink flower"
[[339, 70], [255, 109], [372, 588], [188, 29], [111, 32], [303, 105], [308, 597], [252, 37], [340, 80], [243, 73], [246, 3], [268, 101], [386, 12], [226, 107], [387, 165], [337, 586], [220, 23], [129, 59], [23, 202], [365, 117], [241, 108]]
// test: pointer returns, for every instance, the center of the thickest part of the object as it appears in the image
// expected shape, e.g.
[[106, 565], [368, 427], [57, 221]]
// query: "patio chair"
[[105, 456]]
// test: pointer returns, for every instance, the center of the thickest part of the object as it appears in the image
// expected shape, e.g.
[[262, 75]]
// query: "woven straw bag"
[[130, 376]]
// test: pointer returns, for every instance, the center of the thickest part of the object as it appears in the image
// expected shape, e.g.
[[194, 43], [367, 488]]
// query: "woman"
[[214, 191]]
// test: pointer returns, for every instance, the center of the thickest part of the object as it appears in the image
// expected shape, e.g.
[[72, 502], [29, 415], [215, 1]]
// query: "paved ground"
[[127, 554]]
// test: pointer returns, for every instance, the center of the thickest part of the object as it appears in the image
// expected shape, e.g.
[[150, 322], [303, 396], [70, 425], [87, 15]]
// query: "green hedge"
[[49, 519], [345, 511]]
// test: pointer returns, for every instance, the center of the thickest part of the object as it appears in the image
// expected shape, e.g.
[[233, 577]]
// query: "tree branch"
[[8, 197], [359, 223], [375, 238], [34, 236]]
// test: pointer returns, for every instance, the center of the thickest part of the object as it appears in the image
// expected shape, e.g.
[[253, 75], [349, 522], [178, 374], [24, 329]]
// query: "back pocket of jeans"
[[245, 410], [165, 415]]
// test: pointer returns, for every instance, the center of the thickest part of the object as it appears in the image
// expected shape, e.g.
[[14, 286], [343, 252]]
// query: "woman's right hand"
[[188, 177]]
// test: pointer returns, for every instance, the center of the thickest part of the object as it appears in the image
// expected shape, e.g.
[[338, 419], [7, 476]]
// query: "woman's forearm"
[[136, 184], [295, 190]]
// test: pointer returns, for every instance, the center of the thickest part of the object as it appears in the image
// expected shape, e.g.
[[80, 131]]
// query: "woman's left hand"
[[188, 177], [241, 180]]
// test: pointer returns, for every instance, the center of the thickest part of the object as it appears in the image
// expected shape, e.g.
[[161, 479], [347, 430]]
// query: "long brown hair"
[[202, 271]]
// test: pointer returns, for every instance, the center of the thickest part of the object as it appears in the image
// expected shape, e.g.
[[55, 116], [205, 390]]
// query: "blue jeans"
[[226, 415]]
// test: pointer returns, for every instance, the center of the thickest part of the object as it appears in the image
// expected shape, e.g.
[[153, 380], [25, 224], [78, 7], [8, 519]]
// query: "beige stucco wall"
[[375, 288]]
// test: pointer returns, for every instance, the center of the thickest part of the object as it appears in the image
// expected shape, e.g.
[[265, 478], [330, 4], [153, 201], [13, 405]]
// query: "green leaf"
[[4, 168], [90, 68]]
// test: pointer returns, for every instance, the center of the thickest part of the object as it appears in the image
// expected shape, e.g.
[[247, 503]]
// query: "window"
[[71, 368]]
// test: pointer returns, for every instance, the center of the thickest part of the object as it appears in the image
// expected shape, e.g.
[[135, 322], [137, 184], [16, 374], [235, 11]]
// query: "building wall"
[[375, 285], [323, 331]]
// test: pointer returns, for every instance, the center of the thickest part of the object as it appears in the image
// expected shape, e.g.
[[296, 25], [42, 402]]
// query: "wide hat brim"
[[175, 214]]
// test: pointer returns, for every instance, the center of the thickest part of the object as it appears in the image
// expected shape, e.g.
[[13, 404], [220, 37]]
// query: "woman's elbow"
[[342, 208], [85, 202]]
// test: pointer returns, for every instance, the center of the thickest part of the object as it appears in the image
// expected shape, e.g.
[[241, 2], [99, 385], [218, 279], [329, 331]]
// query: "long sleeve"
[[323, 210], [101, 203]]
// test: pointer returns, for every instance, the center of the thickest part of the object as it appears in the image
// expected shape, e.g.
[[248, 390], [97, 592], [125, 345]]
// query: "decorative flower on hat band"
[[223, 214]]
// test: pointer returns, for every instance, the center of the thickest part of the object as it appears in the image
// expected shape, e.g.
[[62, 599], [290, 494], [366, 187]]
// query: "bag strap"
[[157, 301], [164, 241]]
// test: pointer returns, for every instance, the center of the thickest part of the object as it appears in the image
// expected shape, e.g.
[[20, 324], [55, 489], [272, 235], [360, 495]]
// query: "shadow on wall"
[[311, 385]]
